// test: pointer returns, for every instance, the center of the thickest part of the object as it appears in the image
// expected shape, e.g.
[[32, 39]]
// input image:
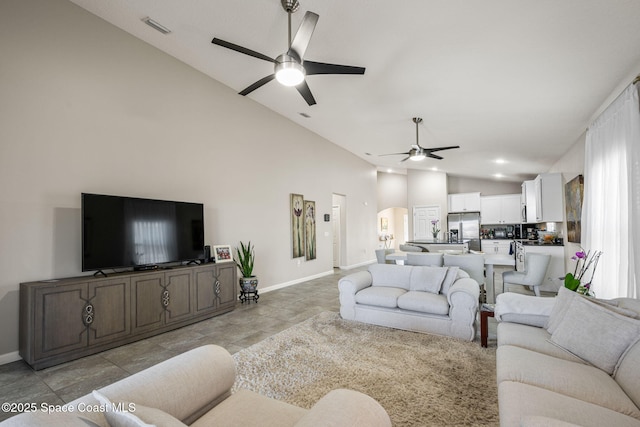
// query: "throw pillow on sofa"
[[565, 297], [595, 333], [140, 416], [427, 279]]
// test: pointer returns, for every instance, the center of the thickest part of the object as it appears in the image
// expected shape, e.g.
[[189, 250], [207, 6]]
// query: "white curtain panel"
[[611, 210]]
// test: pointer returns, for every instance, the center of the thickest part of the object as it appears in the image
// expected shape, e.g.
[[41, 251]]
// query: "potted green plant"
[[245, 257]]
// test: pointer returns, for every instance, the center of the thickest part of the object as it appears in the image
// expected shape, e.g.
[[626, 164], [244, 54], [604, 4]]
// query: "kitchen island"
[[435, 245]]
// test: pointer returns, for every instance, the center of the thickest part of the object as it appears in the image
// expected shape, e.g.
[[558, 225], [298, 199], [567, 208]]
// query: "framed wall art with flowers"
[[297, 225], [310, 229]]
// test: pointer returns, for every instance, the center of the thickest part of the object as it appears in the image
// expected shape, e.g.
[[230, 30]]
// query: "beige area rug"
[[420, 379]]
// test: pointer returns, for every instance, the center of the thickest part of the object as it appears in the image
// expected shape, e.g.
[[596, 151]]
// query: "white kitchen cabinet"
[[528, 202], [556, 270], [503, 209], [496, 247], [548, 195], [464, 202]]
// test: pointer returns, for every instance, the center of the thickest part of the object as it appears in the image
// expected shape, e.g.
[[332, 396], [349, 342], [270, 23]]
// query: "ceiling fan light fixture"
[[417, 155], [288, 71]]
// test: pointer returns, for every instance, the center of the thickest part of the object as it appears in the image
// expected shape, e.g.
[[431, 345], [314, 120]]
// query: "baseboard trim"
[[362, 264], [294, 282], [14, 356]]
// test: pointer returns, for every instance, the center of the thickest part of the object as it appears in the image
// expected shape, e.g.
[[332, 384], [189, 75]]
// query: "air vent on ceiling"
[[156, 26]]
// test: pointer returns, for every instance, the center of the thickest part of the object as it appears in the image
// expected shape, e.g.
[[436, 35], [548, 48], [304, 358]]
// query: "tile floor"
[[246, 325]]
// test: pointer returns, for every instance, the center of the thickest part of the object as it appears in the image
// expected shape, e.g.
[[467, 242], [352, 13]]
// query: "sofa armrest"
[[525, 309], [463, 297], [355, 282], [348, 287], [343, 407], [464, 291], [201, 377]]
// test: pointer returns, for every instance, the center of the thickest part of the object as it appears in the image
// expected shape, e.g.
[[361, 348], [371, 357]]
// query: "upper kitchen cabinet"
[[464, 202], [528, 202], [548, 198], [504, 209]]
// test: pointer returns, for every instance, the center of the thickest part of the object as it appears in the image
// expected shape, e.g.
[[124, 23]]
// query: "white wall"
[[571, 164], [392, 190], [488, 187], [426, 188], [85, 107]]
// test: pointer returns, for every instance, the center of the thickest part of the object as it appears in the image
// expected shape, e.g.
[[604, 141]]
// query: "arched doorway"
[[393, 227]]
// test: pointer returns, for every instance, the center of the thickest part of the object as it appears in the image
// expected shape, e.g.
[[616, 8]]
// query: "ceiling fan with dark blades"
[[290, 68], [419, 152]]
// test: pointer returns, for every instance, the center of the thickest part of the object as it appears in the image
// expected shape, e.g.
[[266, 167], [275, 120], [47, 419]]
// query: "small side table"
[[486, 311], [246, 296]]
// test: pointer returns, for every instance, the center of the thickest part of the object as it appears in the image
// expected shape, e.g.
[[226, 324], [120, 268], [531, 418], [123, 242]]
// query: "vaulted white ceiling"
[[517, 80]]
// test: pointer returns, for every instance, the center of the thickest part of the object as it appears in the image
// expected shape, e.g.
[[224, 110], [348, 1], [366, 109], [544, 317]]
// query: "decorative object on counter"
[[434, 228], [547, 236], [386, 238], [584, 262], [573, 192], [222, 253]]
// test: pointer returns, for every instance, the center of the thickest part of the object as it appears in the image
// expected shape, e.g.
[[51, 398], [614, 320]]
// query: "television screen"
[[131, 232]]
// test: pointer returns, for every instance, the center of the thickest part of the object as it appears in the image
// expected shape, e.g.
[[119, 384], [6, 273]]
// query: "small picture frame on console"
[[222, 253]]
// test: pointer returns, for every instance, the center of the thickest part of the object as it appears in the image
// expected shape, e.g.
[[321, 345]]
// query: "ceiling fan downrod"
[[417, 121], [290, 6]]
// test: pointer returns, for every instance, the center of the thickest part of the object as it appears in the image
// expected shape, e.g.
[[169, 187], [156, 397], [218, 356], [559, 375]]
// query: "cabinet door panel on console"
[[180, 299], [111, 301], [59, 325], [147, 310], [205, 290]]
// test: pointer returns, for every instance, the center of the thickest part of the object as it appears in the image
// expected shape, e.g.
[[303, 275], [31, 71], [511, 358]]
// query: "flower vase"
[[435, 235]]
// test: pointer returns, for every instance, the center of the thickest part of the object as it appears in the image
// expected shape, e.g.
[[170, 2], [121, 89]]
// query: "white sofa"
[[568, 360], [438, 300], [194, 389]]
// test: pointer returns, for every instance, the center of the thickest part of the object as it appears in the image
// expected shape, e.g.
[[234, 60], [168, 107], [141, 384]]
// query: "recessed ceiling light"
[[389, 170], [156, 26], [435, 169], [500, 161], [498, 175]]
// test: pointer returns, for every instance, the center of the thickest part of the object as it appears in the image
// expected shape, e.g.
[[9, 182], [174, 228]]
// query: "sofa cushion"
[[595, 333], [390, 275], [532, 338], [519, 400], [537, 421], [583, 382], [427, 279], [628, 374], [380, 296], [424, 302], [248, 408]]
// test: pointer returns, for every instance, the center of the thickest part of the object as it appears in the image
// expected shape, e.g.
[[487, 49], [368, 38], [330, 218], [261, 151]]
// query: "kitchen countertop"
[[437, 242], [537, 243]]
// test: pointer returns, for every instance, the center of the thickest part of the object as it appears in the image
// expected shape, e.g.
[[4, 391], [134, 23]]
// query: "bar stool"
[[535, 270]]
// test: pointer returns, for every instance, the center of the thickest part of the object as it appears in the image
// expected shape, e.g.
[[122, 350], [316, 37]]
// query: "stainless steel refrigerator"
[[467, 226]]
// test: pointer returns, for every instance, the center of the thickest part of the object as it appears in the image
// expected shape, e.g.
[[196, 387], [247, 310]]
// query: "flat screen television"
[[119, 232]]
